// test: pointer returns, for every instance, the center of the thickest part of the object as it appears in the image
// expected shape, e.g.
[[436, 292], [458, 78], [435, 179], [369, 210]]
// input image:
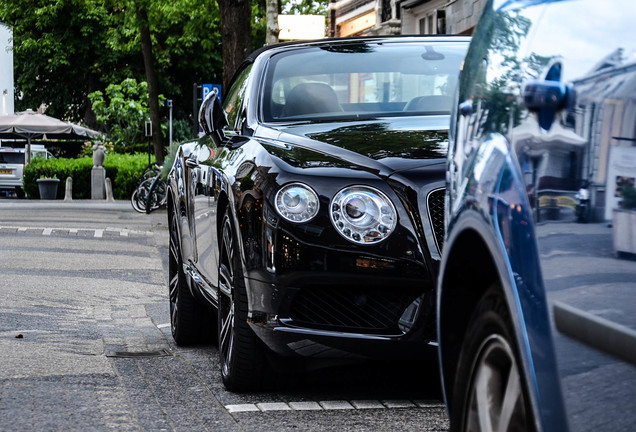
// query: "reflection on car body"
[[541, 335], [303, 215]]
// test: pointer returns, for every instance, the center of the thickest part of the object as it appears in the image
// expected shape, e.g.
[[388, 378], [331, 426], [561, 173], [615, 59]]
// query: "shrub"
[[629, 197], [123, 170]]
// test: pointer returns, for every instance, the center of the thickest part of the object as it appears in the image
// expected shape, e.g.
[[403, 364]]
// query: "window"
[[234, 100], [349, 81]]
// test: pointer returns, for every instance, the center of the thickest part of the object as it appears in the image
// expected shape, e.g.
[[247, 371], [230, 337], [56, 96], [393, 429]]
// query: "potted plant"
[[624, 222], [48, 187]]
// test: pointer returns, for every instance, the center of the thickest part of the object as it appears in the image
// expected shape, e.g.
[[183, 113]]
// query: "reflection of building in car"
[[536, 318], [611, 152]]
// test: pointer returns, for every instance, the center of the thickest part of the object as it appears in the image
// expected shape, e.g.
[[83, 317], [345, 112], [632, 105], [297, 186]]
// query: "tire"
[[489, 387], [242, 358], [156, 194], [137, 203], [190, 322], [139, 196]]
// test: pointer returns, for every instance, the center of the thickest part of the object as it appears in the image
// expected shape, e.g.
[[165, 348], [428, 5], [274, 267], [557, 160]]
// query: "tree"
[[141, 11], [236, 34], [273, 9], [122, 111], [305, 7], [60, 51]]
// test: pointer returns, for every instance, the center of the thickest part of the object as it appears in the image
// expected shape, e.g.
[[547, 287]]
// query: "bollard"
[[109, 190], [68, 192]]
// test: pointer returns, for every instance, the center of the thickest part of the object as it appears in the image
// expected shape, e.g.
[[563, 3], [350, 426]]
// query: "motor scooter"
[[583, 204]]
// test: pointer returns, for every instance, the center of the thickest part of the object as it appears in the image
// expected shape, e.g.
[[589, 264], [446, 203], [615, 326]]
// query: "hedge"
[[124, 172]]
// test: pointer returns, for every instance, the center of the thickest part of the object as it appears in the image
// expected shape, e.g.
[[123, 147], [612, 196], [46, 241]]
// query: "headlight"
[[297, 202], [363, 214]]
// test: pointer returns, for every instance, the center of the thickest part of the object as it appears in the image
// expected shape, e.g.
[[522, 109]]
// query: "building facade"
[[6, 71], [392, 17]]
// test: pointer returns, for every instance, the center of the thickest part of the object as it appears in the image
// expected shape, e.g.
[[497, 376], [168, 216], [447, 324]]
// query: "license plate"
[[5, 171]]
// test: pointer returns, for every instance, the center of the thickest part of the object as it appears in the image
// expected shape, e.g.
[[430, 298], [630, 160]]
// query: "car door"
[[206, 165], [578, 163], [558, 84]]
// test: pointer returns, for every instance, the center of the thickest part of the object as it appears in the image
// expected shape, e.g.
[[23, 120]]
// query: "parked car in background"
[[12, 161], [537, 329], [310, 214]]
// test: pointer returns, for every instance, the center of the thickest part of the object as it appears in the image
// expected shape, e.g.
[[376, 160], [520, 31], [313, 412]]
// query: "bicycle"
[[150, 171], [150, 194]]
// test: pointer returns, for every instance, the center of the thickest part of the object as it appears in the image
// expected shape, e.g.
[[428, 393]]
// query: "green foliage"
[[305, 7], [123, 170], [181, 130], [123, 111], [59, 50], [66, 49]]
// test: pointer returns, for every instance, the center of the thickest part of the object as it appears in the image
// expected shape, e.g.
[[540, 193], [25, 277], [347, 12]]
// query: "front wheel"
[[242, 358], [490, 393]]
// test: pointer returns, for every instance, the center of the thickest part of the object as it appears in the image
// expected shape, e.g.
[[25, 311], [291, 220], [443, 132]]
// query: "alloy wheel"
[[496, 401], [226, 300]]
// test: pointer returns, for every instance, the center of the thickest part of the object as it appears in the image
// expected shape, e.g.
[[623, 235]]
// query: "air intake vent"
[[435, 203], [354, 309]]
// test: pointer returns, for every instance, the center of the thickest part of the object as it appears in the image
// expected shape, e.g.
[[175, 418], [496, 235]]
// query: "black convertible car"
[[307, 222]]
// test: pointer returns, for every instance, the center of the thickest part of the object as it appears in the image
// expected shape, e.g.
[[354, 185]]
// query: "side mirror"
[[546, 98], [212, 117]]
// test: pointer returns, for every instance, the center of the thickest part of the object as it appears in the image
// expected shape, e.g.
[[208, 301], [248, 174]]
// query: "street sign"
[[207, 88]]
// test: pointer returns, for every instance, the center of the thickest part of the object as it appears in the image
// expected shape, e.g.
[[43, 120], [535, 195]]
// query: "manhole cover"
[[154, 353]]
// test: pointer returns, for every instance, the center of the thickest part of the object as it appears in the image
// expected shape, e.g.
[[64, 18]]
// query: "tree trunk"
[[151, 78], [236, 35], [90, 119], [271, 33]]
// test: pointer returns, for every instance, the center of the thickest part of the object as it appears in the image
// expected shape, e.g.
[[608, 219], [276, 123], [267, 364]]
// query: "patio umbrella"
[[29, 124]]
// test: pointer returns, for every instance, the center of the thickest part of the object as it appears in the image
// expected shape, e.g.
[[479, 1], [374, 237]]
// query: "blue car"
[[537, 287]]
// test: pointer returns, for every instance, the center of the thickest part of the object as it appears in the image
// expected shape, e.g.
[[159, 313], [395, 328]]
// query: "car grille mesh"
[[436, 215], [346, 308]]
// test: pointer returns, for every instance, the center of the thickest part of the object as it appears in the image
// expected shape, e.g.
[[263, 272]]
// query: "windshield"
[[12, 158], [354, 80]]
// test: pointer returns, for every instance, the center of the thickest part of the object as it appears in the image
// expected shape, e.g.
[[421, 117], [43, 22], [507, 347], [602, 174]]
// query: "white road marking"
[[399, 404], [367, 404], [272, 406], [305, 406], [336, 405], [97, 232], [331, 405]]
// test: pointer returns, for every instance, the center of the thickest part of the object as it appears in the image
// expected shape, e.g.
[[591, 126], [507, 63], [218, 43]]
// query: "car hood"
[[388, 145]]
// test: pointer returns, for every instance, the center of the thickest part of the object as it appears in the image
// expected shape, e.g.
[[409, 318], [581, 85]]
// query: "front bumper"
[[342, 317]]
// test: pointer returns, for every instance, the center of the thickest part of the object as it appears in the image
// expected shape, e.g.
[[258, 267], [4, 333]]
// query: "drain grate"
[[137, 354]]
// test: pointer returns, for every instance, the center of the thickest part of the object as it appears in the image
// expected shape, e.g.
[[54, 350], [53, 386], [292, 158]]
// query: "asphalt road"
[[85, 342]]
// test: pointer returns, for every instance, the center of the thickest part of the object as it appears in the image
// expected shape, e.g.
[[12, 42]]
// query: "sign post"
[[169, 104], [202, 90], [148, 132]]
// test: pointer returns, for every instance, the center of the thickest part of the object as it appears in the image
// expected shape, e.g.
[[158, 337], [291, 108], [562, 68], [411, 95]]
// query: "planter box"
[[48, 188], [624, 231]]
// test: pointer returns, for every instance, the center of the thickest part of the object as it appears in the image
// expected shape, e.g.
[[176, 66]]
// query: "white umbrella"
[[29, 124]]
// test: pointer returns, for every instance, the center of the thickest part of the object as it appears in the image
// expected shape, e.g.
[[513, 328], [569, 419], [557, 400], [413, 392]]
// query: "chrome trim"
[[430, 219]]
